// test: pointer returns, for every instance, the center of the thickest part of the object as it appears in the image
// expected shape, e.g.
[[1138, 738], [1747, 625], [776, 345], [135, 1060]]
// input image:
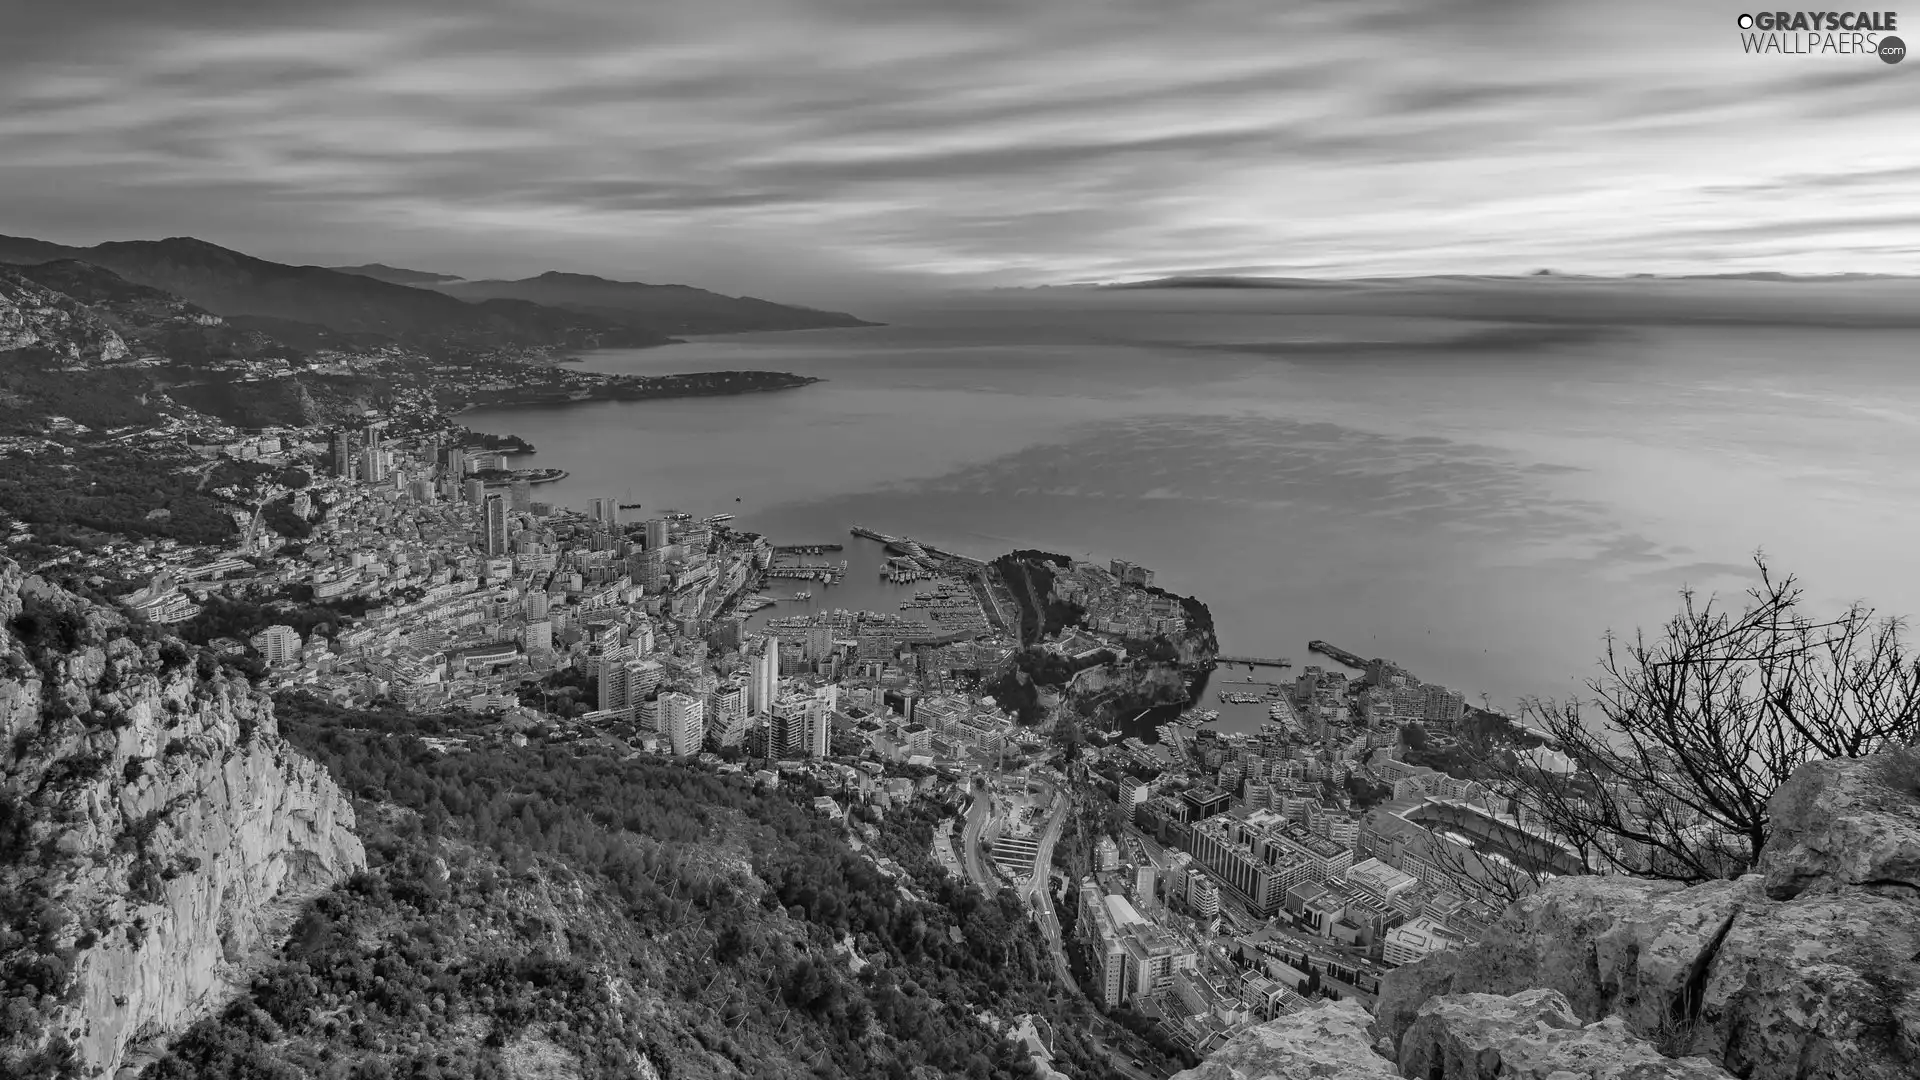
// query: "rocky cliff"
[[1808, 970], [155, 832], [34, 316]]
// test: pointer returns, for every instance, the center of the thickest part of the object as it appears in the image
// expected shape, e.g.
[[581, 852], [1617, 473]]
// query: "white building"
[[683, 719], [278, 644]]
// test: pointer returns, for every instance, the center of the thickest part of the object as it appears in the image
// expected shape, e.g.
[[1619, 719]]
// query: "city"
[[1198, 880]]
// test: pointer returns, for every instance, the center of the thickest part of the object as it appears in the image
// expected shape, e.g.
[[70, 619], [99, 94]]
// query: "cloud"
[[841, 144]]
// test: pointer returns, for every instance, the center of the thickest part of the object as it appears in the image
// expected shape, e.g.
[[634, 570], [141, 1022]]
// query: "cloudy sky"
[[827, 146]]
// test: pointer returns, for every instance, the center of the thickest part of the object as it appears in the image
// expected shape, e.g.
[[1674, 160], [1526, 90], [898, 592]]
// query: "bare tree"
[[1689, 734]]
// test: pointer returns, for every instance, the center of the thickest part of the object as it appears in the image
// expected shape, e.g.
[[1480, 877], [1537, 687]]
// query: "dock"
[[804, 549], [1334, 652], [1254, 661]]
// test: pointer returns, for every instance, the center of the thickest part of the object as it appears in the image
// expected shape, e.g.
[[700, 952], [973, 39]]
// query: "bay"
[[1484, 516]]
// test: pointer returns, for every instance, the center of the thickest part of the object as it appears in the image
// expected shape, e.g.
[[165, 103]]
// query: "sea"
[[1476, 493]]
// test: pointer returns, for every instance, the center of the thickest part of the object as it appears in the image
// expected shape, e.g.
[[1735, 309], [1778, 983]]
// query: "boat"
[[803, 595], [721, 517]]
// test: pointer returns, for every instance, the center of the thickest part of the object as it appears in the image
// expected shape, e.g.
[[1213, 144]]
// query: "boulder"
[[1825, 987], [1328, 1041], [1609, 945], [1846, 823]]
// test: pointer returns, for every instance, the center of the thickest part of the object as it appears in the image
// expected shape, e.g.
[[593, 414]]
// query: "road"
[[970, 839], [1039, 881]]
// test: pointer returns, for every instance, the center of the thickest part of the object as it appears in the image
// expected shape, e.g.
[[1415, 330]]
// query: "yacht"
[[803, 595]]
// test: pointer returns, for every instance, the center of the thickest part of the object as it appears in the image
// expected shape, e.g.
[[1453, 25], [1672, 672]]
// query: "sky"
[[820, 149]]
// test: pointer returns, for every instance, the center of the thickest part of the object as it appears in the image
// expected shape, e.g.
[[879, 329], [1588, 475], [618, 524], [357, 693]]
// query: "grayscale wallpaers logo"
[[1818, 33]]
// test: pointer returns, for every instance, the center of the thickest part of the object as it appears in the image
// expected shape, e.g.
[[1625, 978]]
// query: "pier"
[[804, 549], [1334, 652], [1254, 661]]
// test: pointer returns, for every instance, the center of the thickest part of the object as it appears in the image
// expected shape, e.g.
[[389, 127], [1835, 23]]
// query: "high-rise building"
[[763, 685], [277, 644], [521, 492], [611, 661], [476, 491], [539, 635], [496, 523], [787, 725], [373, 463], [610, 506], [342, 454], [684, 718], [656, 534], [817, 735], [456, 464]]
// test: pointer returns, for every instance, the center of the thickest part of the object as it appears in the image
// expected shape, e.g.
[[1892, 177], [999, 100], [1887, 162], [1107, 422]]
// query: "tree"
[[1689, 734]]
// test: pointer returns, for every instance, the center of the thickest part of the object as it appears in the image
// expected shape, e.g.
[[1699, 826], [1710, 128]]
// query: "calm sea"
[[1482, 514]]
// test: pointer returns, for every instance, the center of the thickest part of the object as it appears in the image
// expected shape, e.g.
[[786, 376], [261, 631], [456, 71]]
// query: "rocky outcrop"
[[1326, 1042], [33, 316], [159, 833], [1809, 970], [1532, 1036], [1841, 825]]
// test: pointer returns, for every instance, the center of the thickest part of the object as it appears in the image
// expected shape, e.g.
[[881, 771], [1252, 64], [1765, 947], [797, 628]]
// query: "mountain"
[[396, 275], [671, 309], [153, 322], [231, 284]]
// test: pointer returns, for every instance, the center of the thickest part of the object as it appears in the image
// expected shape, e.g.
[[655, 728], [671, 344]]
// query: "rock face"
[[1532, 1036], [1809, 970], [32, 315], [159, 833], [1326, 1042]]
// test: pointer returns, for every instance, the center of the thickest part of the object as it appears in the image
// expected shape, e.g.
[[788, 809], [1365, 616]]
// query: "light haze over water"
[[1316, 463]]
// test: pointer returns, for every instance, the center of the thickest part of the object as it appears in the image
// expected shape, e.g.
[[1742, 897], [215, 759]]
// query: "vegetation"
[[563, 903], [1689, 733], [107, 490]]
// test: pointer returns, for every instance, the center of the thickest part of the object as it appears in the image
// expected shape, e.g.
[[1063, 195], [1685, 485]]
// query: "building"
[[476, 491], [1203, 897], [277, 644], [656, 535], [1106, 854], [1203, 804], [1416, 940], [684, 718], [1143, 884], [342, 455], [496, 525], [456, 464]]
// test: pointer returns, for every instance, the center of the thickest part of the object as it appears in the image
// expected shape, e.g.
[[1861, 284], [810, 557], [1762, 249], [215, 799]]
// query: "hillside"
[[230, 283], [672, 309], [154, 322], [569, 911]]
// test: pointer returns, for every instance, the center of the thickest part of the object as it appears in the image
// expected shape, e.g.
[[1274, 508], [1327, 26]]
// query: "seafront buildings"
[[1243, 874]]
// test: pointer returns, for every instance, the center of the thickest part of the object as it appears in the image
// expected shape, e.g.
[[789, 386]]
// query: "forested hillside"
[[559, 910]]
